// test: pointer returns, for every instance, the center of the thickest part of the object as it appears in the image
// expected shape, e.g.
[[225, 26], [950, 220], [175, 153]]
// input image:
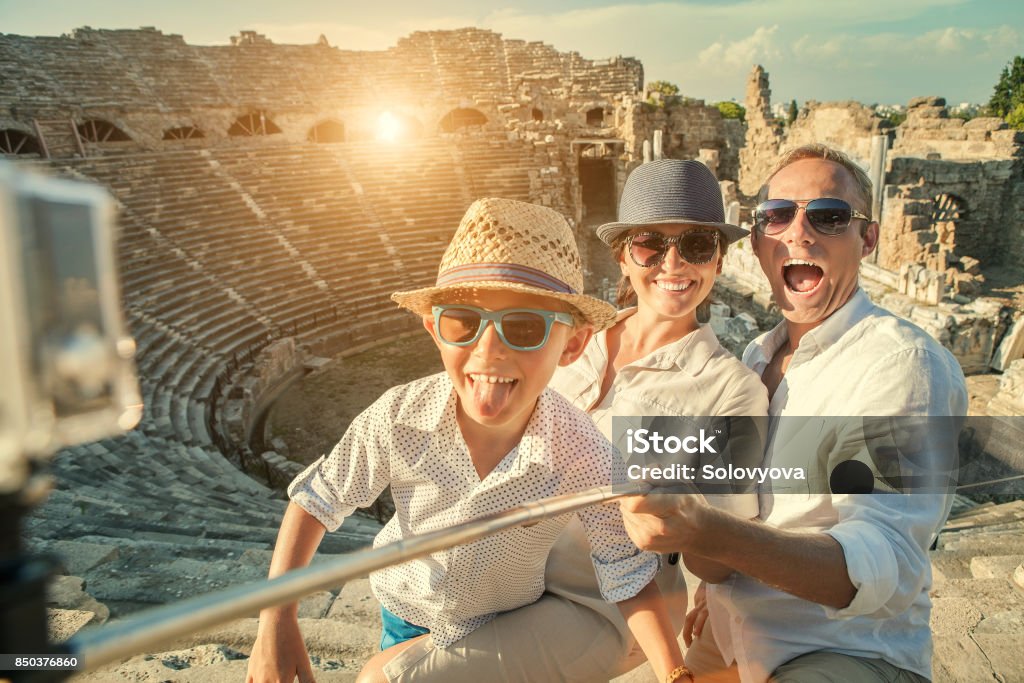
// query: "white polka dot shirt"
[[409, 439]]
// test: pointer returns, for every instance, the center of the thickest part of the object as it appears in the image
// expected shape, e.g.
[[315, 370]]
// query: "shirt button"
[[737, 620]]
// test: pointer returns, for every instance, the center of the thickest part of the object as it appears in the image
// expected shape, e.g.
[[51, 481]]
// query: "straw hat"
[[671, 191], [503, 244]]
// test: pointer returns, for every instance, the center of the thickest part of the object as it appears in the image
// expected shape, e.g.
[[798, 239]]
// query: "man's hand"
[[279, 653], [693, 626], [664, 522]]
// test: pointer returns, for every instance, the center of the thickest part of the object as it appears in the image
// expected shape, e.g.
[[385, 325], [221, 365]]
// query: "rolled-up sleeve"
[[355, 472], [622, 569], [885, 536]]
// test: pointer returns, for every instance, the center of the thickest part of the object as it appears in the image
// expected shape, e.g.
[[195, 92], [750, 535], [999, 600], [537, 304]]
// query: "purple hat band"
[[502, 272]]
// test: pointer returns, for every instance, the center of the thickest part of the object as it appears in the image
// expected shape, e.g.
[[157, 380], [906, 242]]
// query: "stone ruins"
[[272, 196]]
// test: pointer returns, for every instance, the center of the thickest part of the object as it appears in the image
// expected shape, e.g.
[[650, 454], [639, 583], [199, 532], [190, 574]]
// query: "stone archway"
[[14, 141], [253, 123], [100, 130], [461, 117], [183, 133], [327, 131]]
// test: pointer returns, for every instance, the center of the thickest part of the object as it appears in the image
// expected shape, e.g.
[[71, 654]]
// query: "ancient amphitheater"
[[272, 196]]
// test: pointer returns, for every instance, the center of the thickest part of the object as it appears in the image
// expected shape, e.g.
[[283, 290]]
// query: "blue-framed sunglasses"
[[521, 329]]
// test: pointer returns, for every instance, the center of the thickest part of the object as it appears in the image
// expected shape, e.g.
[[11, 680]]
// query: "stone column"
[[761, 148]]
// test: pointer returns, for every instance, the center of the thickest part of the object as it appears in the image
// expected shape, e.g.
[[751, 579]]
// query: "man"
[[828, 586]]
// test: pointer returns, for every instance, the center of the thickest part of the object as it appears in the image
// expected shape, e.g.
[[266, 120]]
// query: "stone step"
[[995, 566], [989, 596]]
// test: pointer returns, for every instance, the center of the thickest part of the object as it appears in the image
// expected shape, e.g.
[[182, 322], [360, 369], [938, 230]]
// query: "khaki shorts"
[[517, 646], [707, 664], [570, 634]]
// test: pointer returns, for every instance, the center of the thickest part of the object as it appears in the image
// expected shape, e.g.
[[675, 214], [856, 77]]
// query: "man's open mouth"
[[801, 276]]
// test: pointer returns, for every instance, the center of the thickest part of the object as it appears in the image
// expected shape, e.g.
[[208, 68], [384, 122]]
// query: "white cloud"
[[835, 50], [742, 53]]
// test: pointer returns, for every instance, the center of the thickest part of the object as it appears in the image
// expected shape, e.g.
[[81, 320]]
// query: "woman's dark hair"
[[624, 294]]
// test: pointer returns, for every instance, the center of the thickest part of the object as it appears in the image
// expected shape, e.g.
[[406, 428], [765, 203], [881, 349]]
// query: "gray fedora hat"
[[671, 191]]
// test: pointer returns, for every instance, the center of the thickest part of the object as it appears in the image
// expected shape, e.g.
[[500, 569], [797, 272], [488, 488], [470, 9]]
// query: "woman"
[[656, 360]]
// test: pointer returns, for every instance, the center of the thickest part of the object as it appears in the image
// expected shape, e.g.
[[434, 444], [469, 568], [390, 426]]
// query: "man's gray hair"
[[820, 151]]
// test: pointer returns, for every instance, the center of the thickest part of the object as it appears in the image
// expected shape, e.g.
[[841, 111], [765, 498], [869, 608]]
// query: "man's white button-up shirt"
[[862, 361]]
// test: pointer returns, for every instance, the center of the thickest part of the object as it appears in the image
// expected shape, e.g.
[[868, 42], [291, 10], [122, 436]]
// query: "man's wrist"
[[710, 528]]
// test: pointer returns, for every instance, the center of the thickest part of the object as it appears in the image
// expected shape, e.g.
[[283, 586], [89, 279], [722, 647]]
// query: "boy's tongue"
[[802, 278], [491, 398]]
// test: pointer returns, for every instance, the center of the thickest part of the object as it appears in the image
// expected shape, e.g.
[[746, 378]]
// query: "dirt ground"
[[313, 414]]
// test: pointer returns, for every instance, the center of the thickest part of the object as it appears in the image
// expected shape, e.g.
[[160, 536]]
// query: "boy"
[[482, 437]]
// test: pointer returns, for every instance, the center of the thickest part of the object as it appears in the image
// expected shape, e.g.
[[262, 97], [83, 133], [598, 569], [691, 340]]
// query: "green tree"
[[793, 111], [895, 118], [732, 110], [1016, 117], [667, 93], [1009, 91]]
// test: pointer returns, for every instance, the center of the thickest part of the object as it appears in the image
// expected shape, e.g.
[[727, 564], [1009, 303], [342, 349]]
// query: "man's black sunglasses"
[[827, 215]]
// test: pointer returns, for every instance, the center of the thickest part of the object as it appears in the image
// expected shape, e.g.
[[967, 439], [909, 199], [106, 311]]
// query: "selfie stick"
[[113, 642]]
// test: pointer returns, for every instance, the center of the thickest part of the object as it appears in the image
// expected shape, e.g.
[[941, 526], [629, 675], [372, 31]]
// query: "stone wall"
[[848, 126], [688, 127], [928, 132], [146, 81], [963, 208]]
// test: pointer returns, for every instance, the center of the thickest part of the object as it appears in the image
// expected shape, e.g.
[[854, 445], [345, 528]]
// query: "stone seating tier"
[[222, 247]]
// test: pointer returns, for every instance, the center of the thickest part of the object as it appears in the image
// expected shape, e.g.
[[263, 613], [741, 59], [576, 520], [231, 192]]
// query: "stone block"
[[957, 658], [355, 602], [315, 606], [1011, 347], [995, 566], [68, 593], [61, 624], [913, 223], [1010, 398], [970, 265], [1008, 137], [966, 285], [1008, 622], [78, 558], [986, 123], [926, 117], [1003, 652], [927, 101]]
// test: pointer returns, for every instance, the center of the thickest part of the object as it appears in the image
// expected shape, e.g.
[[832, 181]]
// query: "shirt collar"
[[689, 353], [816, 341]]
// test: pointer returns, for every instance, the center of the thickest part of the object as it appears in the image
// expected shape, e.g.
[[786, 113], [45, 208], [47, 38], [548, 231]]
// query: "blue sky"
[[868, 50]]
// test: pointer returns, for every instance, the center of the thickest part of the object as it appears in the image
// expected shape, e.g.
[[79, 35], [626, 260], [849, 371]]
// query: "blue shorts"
[[395, 629]]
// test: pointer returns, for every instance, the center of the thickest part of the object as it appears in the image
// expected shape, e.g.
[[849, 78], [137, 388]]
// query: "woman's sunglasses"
[[521, 329], [648, 249], [827, 215]]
